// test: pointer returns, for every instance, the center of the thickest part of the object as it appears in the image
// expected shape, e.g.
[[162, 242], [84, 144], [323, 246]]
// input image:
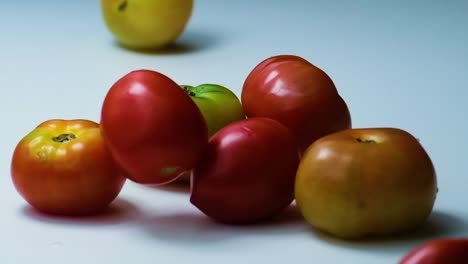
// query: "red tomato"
[[439, 251], [153, 129], [63, 167], [247, 172], [301, 96]]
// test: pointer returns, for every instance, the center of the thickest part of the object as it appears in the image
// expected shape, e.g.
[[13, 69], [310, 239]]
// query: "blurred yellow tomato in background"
[[146, 24]]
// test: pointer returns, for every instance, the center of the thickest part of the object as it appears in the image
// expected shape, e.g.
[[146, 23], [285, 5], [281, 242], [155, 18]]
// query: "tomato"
[[219, 105], [247, 172], [152, 128], [381, 180], [439, 251], [63, 167], [301, 96], [146, 24]]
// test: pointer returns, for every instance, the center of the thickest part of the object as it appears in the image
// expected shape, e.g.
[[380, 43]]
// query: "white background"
[[396, 64]]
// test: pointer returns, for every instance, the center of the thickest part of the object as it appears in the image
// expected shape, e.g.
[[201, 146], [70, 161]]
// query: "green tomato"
[[146, 24], [218, 105]]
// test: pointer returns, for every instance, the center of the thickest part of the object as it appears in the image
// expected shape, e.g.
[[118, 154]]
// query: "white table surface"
[[396, 64]]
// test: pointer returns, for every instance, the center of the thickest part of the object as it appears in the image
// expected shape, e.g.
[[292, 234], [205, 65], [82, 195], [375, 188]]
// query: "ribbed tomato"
[[63, 167], [301, 96]]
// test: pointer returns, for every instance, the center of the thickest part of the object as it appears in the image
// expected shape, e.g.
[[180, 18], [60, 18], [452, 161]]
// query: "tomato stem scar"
[[168, 170], [187, 90], [65, 137], [123, 6], [366, 141]]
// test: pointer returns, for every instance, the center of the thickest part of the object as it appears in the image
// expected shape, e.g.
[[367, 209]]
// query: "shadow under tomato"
[[439, 224], [189, 42], [195, 229], [188, 228], [290, 219], [119, 211]]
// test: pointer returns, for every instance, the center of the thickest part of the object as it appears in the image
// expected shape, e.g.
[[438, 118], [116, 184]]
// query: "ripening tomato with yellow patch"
[[63, 167]]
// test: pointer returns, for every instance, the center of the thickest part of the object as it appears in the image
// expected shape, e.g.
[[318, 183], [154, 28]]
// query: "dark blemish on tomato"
[[123, 6]]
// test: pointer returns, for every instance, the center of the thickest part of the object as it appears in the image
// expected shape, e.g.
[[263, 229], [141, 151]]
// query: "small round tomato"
[[63, 167], [152, 128], [301, 96], [439, 251], [247, 172], [146, 24]]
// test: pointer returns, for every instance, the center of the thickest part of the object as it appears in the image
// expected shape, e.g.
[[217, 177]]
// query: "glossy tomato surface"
[[153, 129], [381, 180], [247, 173], [63, 167], [219, 105], [439, 251], [301, 96]]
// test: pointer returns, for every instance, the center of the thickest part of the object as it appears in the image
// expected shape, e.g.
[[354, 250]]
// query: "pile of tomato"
[[289, 137]]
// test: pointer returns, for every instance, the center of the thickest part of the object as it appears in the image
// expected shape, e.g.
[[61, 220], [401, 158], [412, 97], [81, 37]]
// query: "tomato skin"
[[76, 177], [218, 105], [247, 172], [381, 180], [146, 24], [153, 129], [301, 96], [439, 251]]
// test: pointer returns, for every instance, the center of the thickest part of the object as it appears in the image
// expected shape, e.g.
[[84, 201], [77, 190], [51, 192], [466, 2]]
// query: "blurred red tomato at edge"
[[153, 129], [439, 251], [63, 167], [247, 173], [301, 96]]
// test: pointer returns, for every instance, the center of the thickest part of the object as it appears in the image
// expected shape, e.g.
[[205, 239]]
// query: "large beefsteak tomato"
[[295, 92]]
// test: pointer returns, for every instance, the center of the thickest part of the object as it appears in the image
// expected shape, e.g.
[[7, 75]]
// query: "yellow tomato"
[[146, 24], [361, 182]]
